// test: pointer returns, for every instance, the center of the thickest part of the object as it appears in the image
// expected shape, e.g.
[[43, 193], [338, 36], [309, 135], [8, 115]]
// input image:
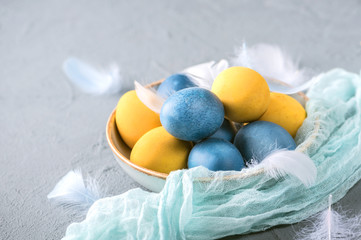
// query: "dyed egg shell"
[[173, 84], [225, 132], [258, 139], [243, 92], [133, 118], [216, 155], [159, 151], [286, 112], [192, 114]]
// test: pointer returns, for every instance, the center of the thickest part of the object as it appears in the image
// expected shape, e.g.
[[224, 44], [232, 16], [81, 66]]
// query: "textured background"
[[49, 127]]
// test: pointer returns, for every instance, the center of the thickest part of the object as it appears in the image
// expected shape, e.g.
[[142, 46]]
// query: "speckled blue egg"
[[225, 132], [258, 139], [173, 84], [216, 155], [192, 114]]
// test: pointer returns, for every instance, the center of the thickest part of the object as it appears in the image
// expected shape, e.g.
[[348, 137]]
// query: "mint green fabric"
[[200, 204]]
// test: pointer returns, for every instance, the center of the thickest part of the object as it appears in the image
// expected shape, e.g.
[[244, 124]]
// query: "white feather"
[[284, 162], [276, 86], [281, 73], [204, 74], [92, 80], [243, 58], [330, 225], [149, 97], [74, 193]]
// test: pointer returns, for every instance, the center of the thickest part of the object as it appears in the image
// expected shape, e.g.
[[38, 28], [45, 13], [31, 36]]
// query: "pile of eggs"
[[196, 126]]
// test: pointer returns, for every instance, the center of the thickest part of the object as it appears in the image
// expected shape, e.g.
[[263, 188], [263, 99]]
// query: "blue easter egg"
[[192, 114], [225, 132], [258, 139], [216, 155], [173, 84]]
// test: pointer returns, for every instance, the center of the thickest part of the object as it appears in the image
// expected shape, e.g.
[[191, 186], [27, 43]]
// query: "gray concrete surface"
[[49, 127]]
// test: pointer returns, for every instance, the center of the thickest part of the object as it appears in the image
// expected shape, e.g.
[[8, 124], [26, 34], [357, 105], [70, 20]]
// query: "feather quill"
[[281, 73], [331, 225], [74, 193], [92, 80], [149, 97], [284, 162], [204, 74]]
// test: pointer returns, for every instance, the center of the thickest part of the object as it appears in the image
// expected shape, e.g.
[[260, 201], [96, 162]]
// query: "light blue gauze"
[[200, 204]]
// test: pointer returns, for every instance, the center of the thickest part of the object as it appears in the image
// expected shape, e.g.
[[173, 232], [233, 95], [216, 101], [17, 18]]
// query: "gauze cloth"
[[201, 204]]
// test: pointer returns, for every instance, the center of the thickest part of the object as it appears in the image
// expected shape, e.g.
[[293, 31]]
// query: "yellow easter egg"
[[133, 118], [243, 92], [286, 112], [159, 151]]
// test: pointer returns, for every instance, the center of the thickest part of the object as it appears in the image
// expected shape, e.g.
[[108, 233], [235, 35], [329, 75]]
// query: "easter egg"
[[159, 151], [285, 111], [133, 118], [258, 139], [173, 84], [243, 92], [192, 114], [225, 132], [216, 155]]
